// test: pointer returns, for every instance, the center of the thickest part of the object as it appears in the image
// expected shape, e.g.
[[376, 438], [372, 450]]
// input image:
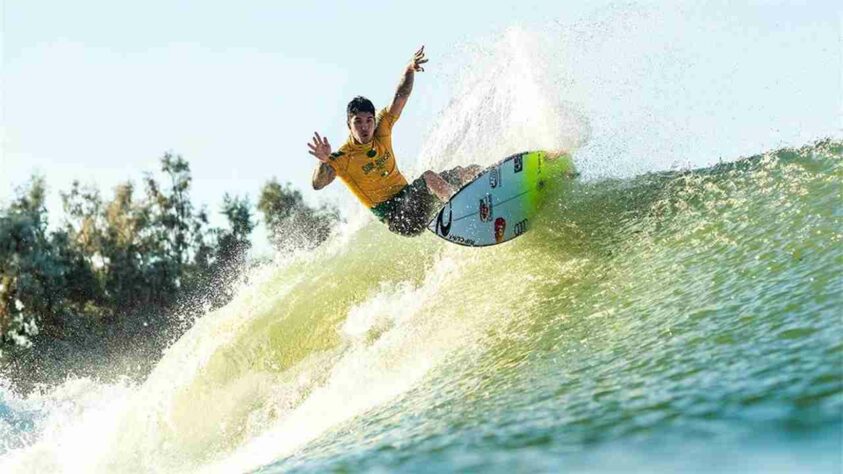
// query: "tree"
[[234, 244], [32, 270], [144, 250], [290, 221]]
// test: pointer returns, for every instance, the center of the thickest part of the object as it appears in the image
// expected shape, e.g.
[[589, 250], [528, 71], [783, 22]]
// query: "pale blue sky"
[[98, 90]]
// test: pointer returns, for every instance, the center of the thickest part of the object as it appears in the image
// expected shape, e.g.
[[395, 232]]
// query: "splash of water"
[[504, 103]]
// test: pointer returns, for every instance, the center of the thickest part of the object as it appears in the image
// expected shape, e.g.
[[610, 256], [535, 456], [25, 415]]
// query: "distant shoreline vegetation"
[[121, 268]]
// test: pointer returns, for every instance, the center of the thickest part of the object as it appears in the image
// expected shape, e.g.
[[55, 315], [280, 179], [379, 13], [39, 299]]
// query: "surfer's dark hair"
[[357, 105]]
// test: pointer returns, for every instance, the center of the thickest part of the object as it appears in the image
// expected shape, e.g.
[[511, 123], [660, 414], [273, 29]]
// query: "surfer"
[[366, 163]]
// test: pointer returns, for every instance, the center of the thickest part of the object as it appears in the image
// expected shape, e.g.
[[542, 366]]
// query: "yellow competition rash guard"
[[372, 179]]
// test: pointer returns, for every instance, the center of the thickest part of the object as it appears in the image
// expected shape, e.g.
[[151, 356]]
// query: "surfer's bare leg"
[[459, 176], [437, 185]]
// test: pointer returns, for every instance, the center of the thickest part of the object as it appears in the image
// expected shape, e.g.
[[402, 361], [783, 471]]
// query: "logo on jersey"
[[485, 209], [378, 164], [500, 229]]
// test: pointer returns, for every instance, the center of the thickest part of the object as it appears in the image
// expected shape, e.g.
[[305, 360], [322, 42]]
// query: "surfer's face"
[[362, 126]]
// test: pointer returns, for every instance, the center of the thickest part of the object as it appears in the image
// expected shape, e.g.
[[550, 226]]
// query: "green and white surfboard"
[[498, 204]]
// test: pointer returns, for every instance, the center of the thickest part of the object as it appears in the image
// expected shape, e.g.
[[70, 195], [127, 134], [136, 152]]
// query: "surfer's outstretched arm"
[[402, 93], [324, 173]]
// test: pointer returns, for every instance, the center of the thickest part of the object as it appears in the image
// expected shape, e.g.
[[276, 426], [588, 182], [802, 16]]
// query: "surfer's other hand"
[[417, 61], [320, 148]]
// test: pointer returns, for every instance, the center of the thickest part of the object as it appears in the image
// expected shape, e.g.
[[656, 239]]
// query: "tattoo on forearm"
[[405, 86], [324, 175]]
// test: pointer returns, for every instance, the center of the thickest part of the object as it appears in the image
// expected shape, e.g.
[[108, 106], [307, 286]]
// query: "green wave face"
[[692, 313]]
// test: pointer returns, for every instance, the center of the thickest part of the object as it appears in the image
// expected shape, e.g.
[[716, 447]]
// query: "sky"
[[98, 91]]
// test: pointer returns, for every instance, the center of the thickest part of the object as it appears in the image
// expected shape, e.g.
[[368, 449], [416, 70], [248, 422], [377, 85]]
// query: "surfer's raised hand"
[[320, 148], [402, 92], [417, 61]]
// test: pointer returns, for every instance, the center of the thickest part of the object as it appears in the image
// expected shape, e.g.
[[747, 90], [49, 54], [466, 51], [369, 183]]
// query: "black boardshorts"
[[408, 212]]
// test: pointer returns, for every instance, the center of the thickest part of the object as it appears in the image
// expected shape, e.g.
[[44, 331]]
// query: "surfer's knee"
[[433, 178], [437, 185]]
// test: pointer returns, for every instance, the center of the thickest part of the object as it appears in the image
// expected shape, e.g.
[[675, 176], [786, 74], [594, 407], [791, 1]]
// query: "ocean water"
[[679, 318], [684, 320]]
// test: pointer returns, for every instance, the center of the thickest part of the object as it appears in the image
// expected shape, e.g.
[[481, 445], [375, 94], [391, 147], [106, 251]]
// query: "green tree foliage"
[[290, 221], [227, 258], [141, 252], [233, 244], [34, 268], [176, 232]]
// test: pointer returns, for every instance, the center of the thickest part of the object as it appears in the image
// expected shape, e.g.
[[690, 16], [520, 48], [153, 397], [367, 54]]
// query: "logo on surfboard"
[[500, 229], [494, 177], [520, 227], [442, 228], [518, 162], [485, 210]]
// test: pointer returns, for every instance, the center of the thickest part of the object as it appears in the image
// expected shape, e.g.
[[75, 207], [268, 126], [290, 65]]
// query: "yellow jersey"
[[369, 169]]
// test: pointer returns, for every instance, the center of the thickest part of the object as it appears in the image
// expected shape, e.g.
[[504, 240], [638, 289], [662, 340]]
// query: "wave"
[[709, 282]]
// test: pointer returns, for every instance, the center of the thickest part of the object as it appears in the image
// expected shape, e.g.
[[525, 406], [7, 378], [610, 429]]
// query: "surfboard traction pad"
[[497, 205]]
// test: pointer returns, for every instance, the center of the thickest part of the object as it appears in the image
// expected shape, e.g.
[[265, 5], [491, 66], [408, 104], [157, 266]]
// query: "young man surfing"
[[366, 163]]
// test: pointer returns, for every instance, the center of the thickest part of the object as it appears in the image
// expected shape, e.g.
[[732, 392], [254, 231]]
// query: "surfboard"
[[498, 204]]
